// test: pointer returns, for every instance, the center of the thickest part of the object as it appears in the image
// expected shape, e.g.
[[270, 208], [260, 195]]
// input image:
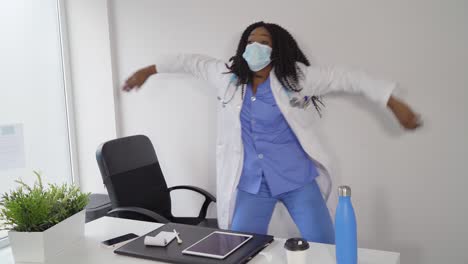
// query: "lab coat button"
[[260, 156]]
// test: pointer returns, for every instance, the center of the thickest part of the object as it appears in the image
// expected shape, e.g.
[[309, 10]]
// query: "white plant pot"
[[41, 246]]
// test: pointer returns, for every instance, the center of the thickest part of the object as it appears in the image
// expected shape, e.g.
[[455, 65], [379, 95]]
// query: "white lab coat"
[[229, 149]]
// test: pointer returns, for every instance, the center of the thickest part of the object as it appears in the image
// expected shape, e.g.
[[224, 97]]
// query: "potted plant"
[[42, 220]]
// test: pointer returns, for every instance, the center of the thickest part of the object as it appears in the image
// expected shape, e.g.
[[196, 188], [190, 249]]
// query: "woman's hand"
[[407, 118], [139, 78]]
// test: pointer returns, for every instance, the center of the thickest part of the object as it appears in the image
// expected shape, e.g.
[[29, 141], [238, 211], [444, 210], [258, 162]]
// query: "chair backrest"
[[132, 175]]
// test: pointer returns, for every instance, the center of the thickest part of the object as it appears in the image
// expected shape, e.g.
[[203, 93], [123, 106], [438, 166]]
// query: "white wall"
[[407, 187]]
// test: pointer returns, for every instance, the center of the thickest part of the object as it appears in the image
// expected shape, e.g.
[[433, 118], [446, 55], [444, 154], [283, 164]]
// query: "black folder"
[[172, 253]]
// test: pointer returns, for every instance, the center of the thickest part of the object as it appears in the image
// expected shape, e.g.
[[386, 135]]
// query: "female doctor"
[[266, 149]]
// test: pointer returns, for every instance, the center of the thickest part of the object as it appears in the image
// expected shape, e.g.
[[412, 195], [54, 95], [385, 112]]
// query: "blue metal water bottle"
[[345, 228]]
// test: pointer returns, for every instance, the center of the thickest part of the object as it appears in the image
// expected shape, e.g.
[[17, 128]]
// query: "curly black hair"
[[284, 56]]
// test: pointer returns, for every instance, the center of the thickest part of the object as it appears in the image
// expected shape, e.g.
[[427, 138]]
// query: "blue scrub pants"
[[306, 206]]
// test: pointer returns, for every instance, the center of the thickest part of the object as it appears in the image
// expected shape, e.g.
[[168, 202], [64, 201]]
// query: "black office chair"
[[136, 185]]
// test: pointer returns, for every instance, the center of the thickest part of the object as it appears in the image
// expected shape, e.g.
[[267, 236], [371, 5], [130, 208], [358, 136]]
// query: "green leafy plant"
[[36, 208]]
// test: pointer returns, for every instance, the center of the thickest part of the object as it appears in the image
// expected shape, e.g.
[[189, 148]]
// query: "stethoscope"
[[294, 101], [223, 100]]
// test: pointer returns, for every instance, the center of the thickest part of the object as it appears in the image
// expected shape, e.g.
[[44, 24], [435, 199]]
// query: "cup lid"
[[296, 244]]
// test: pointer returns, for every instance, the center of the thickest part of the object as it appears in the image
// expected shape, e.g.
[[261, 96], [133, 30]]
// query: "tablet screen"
[[217, 245]]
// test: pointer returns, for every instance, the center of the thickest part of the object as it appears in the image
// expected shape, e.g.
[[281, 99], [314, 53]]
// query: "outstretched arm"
[[323, 80], [200, 66]]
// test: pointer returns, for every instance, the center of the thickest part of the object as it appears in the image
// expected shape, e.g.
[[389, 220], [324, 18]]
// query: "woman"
[[266, 149]]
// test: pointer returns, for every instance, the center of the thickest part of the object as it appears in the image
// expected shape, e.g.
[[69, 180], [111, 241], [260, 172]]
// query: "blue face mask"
[[257, 56]]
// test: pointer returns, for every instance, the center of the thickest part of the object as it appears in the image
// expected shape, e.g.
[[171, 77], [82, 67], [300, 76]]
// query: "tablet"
[[217, 245]]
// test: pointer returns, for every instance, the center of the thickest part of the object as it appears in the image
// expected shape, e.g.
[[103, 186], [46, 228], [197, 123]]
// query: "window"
[[34, 115]]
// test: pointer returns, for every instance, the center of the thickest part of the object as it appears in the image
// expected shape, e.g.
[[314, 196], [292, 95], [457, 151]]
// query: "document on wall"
[[12, 147]]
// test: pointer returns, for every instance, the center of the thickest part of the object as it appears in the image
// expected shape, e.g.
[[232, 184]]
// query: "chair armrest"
[[148, 213], [195, 189], [208, 197]]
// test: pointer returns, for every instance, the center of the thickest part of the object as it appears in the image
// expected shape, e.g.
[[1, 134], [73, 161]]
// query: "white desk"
[[90, 251]]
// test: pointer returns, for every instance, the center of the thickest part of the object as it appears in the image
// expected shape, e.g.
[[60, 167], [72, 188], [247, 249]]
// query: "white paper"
[[11, 147], [160, 240]]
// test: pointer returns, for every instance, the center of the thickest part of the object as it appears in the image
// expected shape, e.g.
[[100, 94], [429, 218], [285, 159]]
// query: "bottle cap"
[[344, 191], [296, 244]]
